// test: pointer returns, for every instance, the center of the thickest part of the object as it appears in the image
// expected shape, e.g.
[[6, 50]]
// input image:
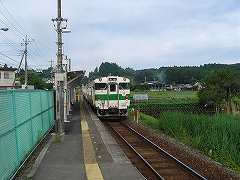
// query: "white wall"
[[7, 82]]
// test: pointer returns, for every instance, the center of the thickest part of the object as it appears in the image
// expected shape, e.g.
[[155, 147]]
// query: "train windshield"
[[100, 86], [124, 86], [113, 88]]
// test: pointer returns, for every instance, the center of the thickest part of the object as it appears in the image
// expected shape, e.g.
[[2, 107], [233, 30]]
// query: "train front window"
[[112, 87], [100, 86], [124, 86]]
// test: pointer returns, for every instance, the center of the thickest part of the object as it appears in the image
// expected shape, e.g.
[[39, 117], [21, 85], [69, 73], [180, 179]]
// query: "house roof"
[[6, 68]]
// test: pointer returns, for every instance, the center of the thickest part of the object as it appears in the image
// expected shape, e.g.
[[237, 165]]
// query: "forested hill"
[[176, 74]]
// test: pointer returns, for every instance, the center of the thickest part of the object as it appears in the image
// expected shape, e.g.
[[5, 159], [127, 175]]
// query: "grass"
[[217, 136], [171, 97], [168, 100]]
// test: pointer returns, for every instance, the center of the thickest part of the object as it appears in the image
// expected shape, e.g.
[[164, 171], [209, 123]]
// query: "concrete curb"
[[39, 159]]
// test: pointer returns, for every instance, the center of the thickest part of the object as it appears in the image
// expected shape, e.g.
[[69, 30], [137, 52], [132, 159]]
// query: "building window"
[[6, 75]]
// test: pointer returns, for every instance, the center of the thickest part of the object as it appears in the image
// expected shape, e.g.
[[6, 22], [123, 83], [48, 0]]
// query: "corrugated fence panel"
[[22, 106], [25, 116], [36, 103], [37, 128], [8, 155], [6, 114], [45, 103]]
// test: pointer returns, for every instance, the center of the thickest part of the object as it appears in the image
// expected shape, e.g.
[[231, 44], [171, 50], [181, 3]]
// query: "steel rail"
[[166, 153], [138, 154]]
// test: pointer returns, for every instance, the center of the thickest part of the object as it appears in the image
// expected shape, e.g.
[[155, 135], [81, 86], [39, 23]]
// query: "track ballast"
[[161, 164]]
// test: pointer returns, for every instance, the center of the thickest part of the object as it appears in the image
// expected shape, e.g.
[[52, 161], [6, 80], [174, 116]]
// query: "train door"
[[113, 96]]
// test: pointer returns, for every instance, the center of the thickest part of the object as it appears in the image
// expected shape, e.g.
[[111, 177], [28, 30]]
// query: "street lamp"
[[4, 29]]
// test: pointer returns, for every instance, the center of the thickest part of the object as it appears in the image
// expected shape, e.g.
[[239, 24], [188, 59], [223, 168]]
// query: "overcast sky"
[[135, 33]]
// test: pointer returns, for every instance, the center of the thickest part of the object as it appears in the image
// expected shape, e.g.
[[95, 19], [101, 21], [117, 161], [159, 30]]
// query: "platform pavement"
[[69, 160], [64, 161], [111, 159]]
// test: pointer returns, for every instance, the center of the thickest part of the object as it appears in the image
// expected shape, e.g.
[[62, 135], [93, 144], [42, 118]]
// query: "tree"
[[113, 69], [165, 75], [35, 79], [221, 87]]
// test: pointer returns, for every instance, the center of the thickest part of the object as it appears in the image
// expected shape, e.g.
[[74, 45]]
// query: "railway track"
[[161, 164]]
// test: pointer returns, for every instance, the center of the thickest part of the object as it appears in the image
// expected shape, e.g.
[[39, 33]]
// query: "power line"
[[8, 57], [17, 29], [19, 34], [10, 21], [10, 14], [7, 62]]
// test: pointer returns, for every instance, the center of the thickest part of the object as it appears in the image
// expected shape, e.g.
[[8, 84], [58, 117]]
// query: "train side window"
[[124, 86], [100, 86], [112, 87]]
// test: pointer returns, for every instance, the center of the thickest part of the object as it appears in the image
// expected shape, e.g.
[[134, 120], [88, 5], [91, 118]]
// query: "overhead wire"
[[2, 62], [13, 18], [11, 22], [19, 34], [8, 57], [16, 28]]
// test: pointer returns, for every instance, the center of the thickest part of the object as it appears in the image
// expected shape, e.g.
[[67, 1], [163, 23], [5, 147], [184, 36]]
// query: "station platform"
[[88, 152]]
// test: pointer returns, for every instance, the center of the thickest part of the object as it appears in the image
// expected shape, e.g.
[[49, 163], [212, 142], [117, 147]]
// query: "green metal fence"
[[25, 117]]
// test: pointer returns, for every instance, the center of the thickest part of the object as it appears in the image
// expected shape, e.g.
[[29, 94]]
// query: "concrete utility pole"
[[51, 65], [66, 92], [68, 87], [69, 64], [26, 43], [60, 75]]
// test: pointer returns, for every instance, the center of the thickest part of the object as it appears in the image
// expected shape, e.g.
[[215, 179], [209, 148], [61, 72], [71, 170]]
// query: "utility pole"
[[69, 64], [60, 75], [69, 90], [51, 65], [18, 70], [26, 43], [66, 112]]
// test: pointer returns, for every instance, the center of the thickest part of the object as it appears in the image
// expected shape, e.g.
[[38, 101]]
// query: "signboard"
[[140, 97], [59, 77]]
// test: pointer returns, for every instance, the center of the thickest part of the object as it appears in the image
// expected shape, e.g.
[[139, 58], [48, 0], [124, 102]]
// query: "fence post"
[[49, 110], [137, 113], [133, 112], [41, 112], [15, 123], [30, 103]]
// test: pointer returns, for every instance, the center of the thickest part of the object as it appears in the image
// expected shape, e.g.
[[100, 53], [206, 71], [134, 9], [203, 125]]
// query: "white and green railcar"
[[109, 95]]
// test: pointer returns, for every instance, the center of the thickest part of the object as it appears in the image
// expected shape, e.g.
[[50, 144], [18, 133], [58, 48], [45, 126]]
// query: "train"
[[109, 96]]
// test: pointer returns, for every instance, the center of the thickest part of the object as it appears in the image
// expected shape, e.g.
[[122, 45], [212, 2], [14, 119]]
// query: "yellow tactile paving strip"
[[92, 169]]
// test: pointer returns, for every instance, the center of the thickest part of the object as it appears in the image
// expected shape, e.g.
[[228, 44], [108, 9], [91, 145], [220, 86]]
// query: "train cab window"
[[113, 87], [100, 86], [124, 86]]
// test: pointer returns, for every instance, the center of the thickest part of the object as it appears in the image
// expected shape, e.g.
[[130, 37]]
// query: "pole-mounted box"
[[60, 77]]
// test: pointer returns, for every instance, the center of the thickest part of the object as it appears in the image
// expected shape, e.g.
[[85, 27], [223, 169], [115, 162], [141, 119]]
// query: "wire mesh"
[[25, 116]]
